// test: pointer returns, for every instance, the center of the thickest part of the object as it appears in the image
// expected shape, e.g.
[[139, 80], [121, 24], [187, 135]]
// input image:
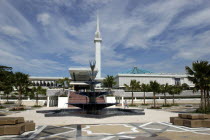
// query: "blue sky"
[[46, 37]]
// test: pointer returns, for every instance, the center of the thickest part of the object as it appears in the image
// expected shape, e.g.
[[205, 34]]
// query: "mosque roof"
[[136, 70]]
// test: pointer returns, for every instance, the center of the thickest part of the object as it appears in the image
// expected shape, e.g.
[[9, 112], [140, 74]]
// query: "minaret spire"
[[97, 41], [97, 33]]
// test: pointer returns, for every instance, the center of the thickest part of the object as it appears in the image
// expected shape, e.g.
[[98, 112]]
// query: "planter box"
[[179, 121], [193, 123], [206, 123], [16, 129], [172, 119], [196, 116], [8, 120], [183, 116], [193, 116], [1, 130], [29, 126]]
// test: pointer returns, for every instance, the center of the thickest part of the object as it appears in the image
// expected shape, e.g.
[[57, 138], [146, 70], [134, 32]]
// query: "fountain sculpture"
[[92, 107]]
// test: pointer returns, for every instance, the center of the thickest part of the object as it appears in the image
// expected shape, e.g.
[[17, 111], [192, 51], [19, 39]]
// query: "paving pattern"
[[150, 130]]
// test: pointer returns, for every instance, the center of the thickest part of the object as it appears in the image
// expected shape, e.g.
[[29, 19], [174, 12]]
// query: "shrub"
[[144, 104], [200, 110], [2, 107], [133, 105], [157, 107], [9, 102], [21, 108], [174, 104], [166, 105]]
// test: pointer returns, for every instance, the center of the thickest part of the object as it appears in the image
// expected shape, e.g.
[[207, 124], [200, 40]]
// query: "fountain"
[[92, 108]]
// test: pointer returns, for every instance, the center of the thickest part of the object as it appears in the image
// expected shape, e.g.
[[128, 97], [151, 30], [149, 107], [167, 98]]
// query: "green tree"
[[145, 88], [174, 90], [185, 86], [199, 74], [109, 81], [4, 72], [38, 91], [64, 83], [134, 86], [155, 88], [21, 83], [8, 84], [164, 89]]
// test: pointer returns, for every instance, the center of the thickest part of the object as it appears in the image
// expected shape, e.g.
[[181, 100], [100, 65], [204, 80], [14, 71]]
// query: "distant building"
[[144, 76]]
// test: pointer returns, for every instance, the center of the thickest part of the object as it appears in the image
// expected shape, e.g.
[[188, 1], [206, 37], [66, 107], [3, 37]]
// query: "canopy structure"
[[80, 74], [136, 70]]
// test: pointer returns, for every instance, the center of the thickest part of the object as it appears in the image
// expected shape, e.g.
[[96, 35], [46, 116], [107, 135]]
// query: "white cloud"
[[9, 30], [43, 18], [38, 66], [72, 38], [202, 17]]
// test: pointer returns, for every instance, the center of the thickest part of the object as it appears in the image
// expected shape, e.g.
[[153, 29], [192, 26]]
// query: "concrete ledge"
[[29, 126], [16, 129], [172, 119], [193, 123], [206, 123], [179, 121], [6, 121]]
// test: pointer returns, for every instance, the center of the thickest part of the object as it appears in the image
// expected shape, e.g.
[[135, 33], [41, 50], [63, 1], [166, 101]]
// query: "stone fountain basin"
[[108, 112], [89, 106]]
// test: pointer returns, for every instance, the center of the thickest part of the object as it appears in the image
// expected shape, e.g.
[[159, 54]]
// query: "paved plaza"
[[122, 131]]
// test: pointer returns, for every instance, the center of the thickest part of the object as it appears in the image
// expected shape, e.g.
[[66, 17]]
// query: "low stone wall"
[[161, 101], [27, 102]]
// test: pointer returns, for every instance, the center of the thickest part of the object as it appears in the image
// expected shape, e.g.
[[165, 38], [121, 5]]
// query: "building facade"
[[145, 77]]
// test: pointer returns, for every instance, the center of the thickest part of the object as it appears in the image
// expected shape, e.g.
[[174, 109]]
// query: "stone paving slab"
[[150, 130]]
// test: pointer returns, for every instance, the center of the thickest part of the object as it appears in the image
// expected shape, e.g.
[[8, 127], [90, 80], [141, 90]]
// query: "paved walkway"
[[150, 130]]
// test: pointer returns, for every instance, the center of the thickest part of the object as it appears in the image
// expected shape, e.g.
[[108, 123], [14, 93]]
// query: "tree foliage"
[[155, 88], [21, 83], [134, 86], [109, 81], [199, 74], [145, 88]]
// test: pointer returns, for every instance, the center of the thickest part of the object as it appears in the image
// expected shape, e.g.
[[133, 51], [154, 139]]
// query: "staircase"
[[76, 98]]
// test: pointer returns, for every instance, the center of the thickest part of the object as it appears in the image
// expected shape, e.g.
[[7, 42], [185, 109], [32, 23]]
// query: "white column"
[[122, 101], [48, 101], [98, 58]]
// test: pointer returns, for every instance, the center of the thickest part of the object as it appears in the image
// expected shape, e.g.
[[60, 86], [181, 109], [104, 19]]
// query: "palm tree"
[[109, 81], [185, 86], [164, 90], [145, 88], [4, 73], [175, 89], [155, 88], [199, 74], [134, 86], [21, 83], [64, 83], [39, 91], [8, 84]]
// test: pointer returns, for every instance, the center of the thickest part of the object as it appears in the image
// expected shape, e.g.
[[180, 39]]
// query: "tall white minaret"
[[97, 41]]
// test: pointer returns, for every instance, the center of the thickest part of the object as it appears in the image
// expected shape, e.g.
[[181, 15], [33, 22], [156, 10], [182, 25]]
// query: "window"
[[177, 81]]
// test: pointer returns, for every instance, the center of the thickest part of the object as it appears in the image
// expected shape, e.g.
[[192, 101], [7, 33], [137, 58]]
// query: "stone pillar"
[[48, 101], [122, 101]]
